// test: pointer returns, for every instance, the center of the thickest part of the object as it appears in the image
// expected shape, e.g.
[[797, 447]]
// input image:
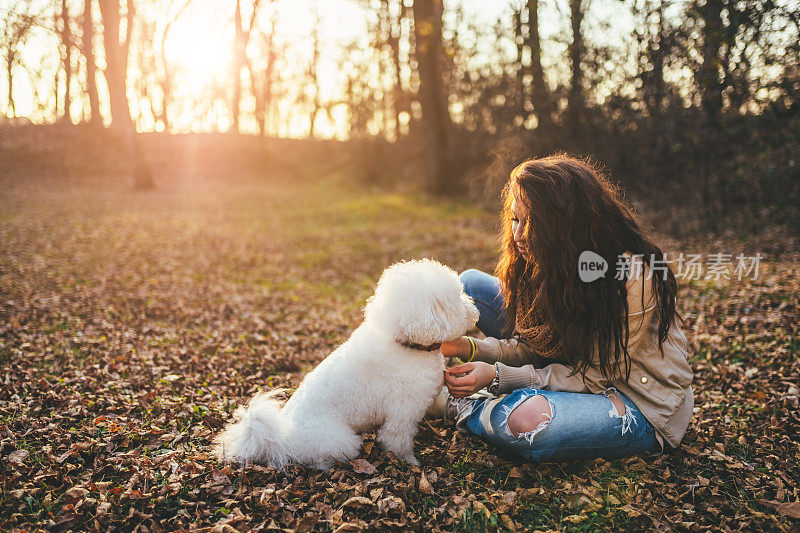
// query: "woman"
[[576, 369]]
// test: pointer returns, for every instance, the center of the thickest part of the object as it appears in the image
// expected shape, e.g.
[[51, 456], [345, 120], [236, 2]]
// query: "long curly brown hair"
[[573, 207]]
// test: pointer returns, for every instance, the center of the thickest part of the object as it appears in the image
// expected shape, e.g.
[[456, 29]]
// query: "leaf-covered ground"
[[132, 325]]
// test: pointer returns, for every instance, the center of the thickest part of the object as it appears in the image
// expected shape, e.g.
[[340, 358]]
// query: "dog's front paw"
[[410, 459], [325, 466]]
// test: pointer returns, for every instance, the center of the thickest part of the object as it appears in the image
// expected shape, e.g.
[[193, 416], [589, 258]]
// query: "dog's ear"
[[471, 310], [430, 321]]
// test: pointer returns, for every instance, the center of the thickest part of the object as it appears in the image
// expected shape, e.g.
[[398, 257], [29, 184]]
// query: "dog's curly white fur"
[[372, 380]]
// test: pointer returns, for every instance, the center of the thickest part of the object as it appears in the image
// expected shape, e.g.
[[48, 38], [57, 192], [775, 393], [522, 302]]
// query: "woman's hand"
[[478, 375], [457, 348]]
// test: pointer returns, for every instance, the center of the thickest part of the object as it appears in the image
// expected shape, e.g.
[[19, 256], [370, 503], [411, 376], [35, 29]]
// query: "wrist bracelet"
[[472, 349]]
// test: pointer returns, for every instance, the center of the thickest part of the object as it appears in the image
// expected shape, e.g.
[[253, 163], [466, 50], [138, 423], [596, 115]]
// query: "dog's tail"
[[259, 434]]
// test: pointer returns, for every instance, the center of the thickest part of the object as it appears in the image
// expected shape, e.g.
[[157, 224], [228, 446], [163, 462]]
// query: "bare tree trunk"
[[66, 42], [91, 66], [519, 39], [272, 56], [435, 115], [116, 64], [10, 77], [575, 111], [395, 30], [657, 53], [15, 29], [239, 50], [260, 113], [166, 81], [382, 44], [262, 93], [56, 99], [240, 40], [542, 103], [312, 73], [710, 85], [116, 78], [312, 119], [711, 91]]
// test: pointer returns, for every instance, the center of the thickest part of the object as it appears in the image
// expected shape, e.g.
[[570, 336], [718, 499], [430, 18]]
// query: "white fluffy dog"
[[386, 374]]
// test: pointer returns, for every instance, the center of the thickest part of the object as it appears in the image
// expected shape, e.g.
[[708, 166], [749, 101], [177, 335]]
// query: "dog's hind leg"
[[322, 450], [398, 437], [346, 447], [325, 465]]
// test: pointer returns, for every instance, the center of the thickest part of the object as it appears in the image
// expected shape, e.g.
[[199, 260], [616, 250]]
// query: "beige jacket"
[[659, 386]]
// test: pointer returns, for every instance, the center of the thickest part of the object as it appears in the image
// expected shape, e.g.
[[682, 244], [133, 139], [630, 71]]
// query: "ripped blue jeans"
[[577, 426]]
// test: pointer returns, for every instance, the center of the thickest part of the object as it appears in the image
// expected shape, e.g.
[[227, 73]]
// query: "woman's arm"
[[478, 374], [516, 361], [516, 367], [514, 351], [555, 377]]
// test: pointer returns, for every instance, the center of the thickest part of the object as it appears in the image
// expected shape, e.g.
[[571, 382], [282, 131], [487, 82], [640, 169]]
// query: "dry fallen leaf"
[[516, 473], [348, 526], [508, 523], [391, 503], [76, 493], [306, 523], [424, 485], [506, 502], [18, 457], [479, 508], [630, 510], [790, 509], [362, 466], [575, 518], [357, 501]]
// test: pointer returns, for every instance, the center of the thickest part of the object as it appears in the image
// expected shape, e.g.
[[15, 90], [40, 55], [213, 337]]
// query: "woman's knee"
[[484, 289], [470, 279], [530, 417], [481, 286]]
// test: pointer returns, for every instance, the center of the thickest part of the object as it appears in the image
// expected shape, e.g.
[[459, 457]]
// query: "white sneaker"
[[458, 409]]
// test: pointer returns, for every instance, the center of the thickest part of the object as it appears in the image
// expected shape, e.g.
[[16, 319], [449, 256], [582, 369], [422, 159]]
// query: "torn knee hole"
[[531, 416], [618, 403]]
